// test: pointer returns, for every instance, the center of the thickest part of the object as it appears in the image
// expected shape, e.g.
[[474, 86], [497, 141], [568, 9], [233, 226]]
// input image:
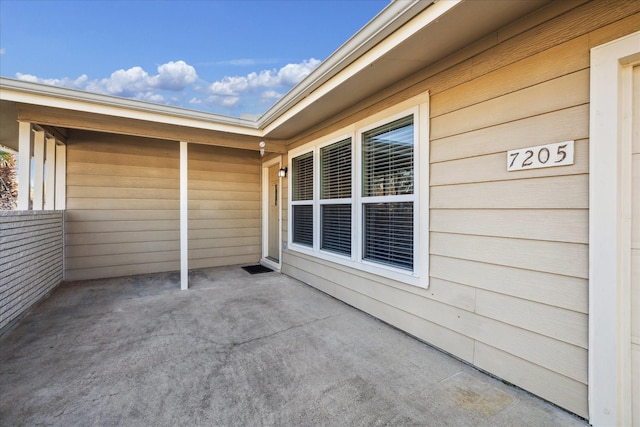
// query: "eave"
[[405, 38]]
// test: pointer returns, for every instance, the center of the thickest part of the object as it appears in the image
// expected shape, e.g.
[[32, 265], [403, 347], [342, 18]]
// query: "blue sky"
[[235, 58]]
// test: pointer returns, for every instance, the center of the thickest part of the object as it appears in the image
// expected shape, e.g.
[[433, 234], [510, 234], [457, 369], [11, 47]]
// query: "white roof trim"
[[382, 25], [365, 46], [60, 97]]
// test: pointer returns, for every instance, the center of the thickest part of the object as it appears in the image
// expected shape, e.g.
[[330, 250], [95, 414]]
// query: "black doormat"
[[256, 269]]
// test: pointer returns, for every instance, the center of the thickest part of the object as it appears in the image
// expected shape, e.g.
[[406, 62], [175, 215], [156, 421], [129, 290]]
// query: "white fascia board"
[[71, 99], [391, 27]]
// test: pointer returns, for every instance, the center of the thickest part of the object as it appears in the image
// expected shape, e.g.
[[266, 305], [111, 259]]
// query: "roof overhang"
[[73, 109], [406, 37]]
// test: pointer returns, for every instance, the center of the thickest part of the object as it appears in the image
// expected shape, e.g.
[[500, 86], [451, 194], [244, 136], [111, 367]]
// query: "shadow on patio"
[[237, 349]]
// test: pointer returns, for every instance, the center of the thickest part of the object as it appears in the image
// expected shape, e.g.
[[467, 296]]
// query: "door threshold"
[[271, 263]]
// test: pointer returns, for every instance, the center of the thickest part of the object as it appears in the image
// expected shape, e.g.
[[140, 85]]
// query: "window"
[[335, 197], [387, 193], [357, 200], [302, 199]]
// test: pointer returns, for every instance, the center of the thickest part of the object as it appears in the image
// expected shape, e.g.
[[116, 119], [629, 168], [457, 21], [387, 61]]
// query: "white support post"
[[50, 174], [61, 177], [24, 164], [184, 217], [38, 170]]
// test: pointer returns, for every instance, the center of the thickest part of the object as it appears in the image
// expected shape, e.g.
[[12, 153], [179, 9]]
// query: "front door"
[[273, 221]]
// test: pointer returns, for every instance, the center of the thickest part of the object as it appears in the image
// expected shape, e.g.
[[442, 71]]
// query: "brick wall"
[[31, 260]]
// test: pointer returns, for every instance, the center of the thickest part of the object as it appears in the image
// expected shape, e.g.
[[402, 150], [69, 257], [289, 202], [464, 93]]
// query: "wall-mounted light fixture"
[[262, 145], [282, 173]]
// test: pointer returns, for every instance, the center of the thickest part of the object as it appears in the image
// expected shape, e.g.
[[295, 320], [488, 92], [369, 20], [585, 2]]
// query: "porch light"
[[282, 173]]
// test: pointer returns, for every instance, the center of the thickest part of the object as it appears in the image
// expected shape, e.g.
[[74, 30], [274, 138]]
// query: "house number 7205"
[[541, 156]]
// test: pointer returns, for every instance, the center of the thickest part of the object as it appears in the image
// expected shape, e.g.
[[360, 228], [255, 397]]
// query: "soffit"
[[74, 119], [457, 28]]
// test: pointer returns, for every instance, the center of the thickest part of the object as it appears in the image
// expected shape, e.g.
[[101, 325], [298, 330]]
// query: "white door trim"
[[265, 215], [609, 230]]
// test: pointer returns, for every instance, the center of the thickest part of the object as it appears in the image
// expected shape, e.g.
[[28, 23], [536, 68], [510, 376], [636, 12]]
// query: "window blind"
[[387, 159], [302, 177], [336, 228], [388, 233], [303, 224], [335, 170]]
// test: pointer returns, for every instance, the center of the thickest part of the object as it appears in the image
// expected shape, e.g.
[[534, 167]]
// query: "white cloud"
[[133, 83], [177, 83], [3, 51], [79, 83], [174, 76], [287, 76], [270, 96]]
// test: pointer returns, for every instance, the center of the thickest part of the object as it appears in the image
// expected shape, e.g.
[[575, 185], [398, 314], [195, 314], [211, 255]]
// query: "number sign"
[[541, 156]]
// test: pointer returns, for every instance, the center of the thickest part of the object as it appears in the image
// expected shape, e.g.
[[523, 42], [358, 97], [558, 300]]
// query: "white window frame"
[[414, 197], [419, 107], [320, 202], [303, 202]]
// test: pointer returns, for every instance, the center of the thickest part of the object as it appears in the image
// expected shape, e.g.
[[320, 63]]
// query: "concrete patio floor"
[[236, 350]]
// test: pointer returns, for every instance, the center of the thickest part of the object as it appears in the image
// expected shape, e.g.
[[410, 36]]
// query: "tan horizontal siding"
[[561, 357], [131, 171], [508, 250], [124, 257], [562, 125], [568, 259], [123, 181], [568, 192], [224, 206], [562, 92], [545, 288], [121, 270], [122, 205], [562, 225], [538, 380], [123, 215], [493, 167], [547, 65], [429, 330]]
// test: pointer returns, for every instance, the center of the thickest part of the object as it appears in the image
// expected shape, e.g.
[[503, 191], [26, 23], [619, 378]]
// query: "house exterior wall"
[[31, 260], [508, 254], [224, 206], [123, 206]]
